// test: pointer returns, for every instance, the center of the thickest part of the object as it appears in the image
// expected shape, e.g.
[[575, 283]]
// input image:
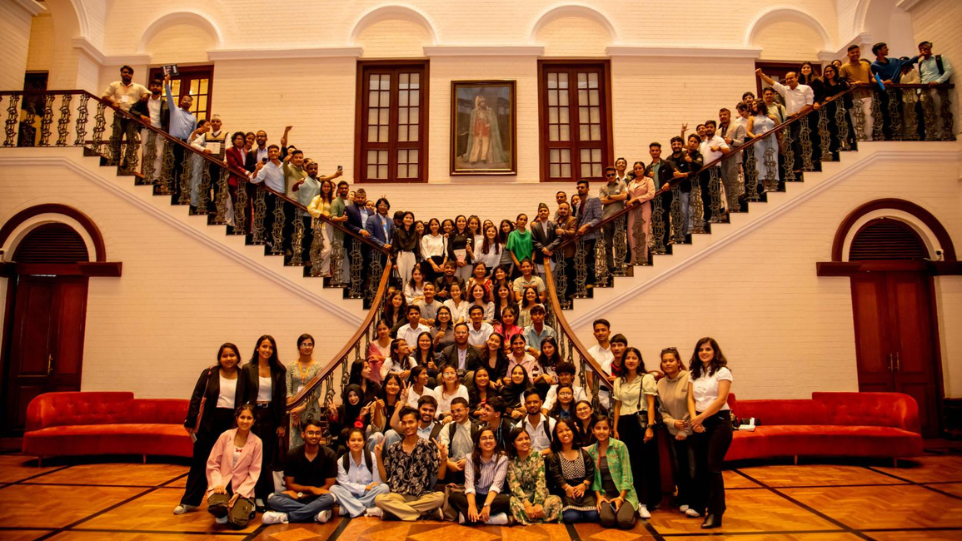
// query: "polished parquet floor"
[[89, 500]]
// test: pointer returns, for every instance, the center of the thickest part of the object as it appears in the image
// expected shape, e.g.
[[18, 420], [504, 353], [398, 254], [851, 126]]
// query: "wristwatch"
[[300, 495]]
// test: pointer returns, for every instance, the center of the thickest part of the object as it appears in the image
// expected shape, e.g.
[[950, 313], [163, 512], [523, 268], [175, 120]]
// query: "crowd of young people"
[[482, 430]]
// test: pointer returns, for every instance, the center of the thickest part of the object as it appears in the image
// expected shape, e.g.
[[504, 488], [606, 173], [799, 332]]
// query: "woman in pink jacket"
[[232, 471]]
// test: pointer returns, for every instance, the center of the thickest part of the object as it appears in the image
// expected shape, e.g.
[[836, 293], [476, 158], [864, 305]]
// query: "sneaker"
[[436, 514], [184, 508], [643, 511], [683, 508], [324, 516], [274, 517], [221, 520], [692, 513], [341, 511], [374, 512], [500, 519]]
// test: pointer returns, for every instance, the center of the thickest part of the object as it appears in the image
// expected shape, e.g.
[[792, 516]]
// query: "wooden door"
[[197, 81], [46, 351], [895, 339]]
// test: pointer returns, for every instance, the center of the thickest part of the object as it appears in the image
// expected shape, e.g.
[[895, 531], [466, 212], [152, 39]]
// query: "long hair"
[[274, 361], [717, 362], [641, 363], [484, 298], [476, 453], [672, 351], [503, 237], [417, 349], [228, 345], [437, 320], [556, 407], [554, 360], [383, 392], [556, 445], [406, 362], [240, 409], [486, 244], [388, 313]]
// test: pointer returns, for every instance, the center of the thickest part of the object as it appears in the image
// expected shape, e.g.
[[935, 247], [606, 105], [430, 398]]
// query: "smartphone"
[[263, 160], [340, 167]]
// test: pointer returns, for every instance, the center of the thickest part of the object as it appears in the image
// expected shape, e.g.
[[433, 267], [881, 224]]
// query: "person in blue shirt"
[[182, 125]]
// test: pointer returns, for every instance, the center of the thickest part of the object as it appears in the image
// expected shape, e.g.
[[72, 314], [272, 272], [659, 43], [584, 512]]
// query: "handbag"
[[203, 402], [641, 416]]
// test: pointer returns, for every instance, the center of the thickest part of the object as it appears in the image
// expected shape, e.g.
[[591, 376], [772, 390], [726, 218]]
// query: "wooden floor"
[[72, 500]]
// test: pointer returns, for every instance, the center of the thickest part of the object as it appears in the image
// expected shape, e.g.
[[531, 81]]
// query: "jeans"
[[573, 515], [686, 212], [682, 467], [355, 506], [298, 511], [710, 447]]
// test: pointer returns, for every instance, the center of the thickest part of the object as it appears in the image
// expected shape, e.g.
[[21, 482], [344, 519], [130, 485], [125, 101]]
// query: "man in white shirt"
[[271, 174], [601, 353], [153, 110], [934, 70], [478, 331], [798, 101], [734, 134], [410, 332], [712, 148], [538, 425]]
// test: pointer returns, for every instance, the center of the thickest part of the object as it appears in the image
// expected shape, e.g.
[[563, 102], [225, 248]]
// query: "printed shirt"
[[410, 474]]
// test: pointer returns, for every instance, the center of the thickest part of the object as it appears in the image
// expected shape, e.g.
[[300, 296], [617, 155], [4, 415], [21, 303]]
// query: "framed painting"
[[483, 128]]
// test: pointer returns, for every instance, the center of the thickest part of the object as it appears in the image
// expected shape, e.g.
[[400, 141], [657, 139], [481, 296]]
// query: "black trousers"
[[197, 476], [710, 446], [683, 469], [500, 504], [644, 461], [178, 171], [666, 200], [122, 127], [266, 429], [590, 261]]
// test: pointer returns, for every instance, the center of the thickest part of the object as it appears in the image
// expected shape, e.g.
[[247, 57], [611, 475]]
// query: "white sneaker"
[[341, 511], [643, 511], [692, 513], [324, 516], [184, 508], [683, 508], [374, 512], [274, 517], [221, 520], [500, 519]]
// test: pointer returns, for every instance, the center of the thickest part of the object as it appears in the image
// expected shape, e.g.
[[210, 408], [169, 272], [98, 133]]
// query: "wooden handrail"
[[296, 400], [208, 157], [565, 328], [674, 182]]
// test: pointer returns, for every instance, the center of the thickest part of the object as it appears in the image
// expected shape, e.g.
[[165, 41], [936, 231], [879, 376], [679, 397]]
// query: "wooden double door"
[[896, 339], [46, 342]]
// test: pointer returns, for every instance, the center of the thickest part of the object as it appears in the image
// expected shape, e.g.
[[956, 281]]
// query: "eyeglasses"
[[610, 175], [313, 433]]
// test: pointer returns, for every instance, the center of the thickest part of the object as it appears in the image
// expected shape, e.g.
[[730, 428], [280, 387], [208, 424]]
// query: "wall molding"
[[32, 7], [483, 50], [920, 156], [682, 51], [107, 184], [269, 54]]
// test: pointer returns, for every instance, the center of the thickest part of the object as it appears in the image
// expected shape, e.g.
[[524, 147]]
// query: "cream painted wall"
[[789, 41], [14, 42], [937, 21], [40, 55]]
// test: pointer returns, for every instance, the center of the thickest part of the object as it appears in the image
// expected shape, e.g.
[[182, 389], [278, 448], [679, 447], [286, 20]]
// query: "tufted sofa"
[[830, 424], [108, 423]]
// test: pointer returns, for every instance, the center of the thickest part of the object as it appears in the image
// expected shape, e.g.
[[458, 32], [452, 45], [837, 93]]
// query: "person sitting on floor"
[[233, 469], [358, 479], [309, 474]]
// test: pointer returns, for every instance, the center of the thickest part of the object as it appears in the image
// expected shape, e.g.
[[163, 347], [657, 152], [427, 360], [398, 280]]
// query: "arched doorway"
[[47, 266], [891, 249]]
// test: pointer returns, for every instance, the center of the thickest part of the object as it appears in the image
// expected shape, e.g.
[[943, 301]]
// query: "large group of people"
[[483, 429]]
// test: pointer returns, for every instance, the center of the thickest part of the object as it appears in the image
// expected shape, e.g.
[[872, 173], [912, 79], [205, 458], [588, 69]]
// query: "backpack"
[[938, 64], [346, 461]]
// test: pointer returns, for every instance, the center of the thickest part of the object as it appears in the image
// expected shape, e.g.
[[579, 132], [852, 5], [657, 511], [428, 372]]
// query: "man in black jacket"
[[663, 172], [544, 235]]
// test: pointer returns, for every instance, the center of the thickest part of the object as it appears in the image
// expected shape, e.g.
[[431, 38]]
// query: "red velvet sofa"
[[830, 424], [108, 423]]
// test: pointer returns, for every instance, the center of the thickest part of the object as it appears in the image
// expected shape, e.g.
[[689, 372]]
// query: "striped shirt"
[[493, 472]]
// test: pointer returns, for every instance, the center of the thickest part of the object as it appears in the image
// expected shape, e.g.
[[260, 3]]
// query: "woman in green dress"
[[299, 374], [530, 501]]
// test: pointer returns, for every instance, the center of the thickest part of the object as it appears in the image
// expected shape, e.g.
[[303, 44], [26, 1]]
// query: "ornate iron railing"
[[768, 160]]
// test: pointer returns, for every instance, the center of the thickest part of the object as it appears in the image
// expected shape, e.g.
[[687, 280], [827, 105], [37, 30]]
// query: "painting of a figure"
[[483, 127]]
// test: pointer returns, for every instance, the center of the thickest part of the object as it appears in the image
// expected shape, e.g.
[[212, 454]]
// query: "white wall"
[[937, 21], [14, 42]]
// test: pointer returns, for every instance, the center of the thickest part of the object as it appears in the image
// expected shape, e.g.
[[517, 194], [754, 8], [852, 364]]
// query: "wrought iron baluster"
[[99, 127], [203, 195], [841, 120], [12, 119], [770, 162], [185, 179], [277, 231], [356, 270], [658, 225], [317, 248], [222, 197], [824, 136], [895, 112], [931, 119], [240, 207], [581, 268], [805, 142], [714, 190], [878, 132], [909, 100], [132, 150], [375, 274], [297, 242], [82, 121], [948, 122], [46, 120], [620, 248], [63, 123], [337, 259], [166, 180], [678, 227], [260, 214], [751, 174], [150, 158], [696, 206], [602, 272], [561, 279], [28, 129], [788, 155], [858, 113]]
